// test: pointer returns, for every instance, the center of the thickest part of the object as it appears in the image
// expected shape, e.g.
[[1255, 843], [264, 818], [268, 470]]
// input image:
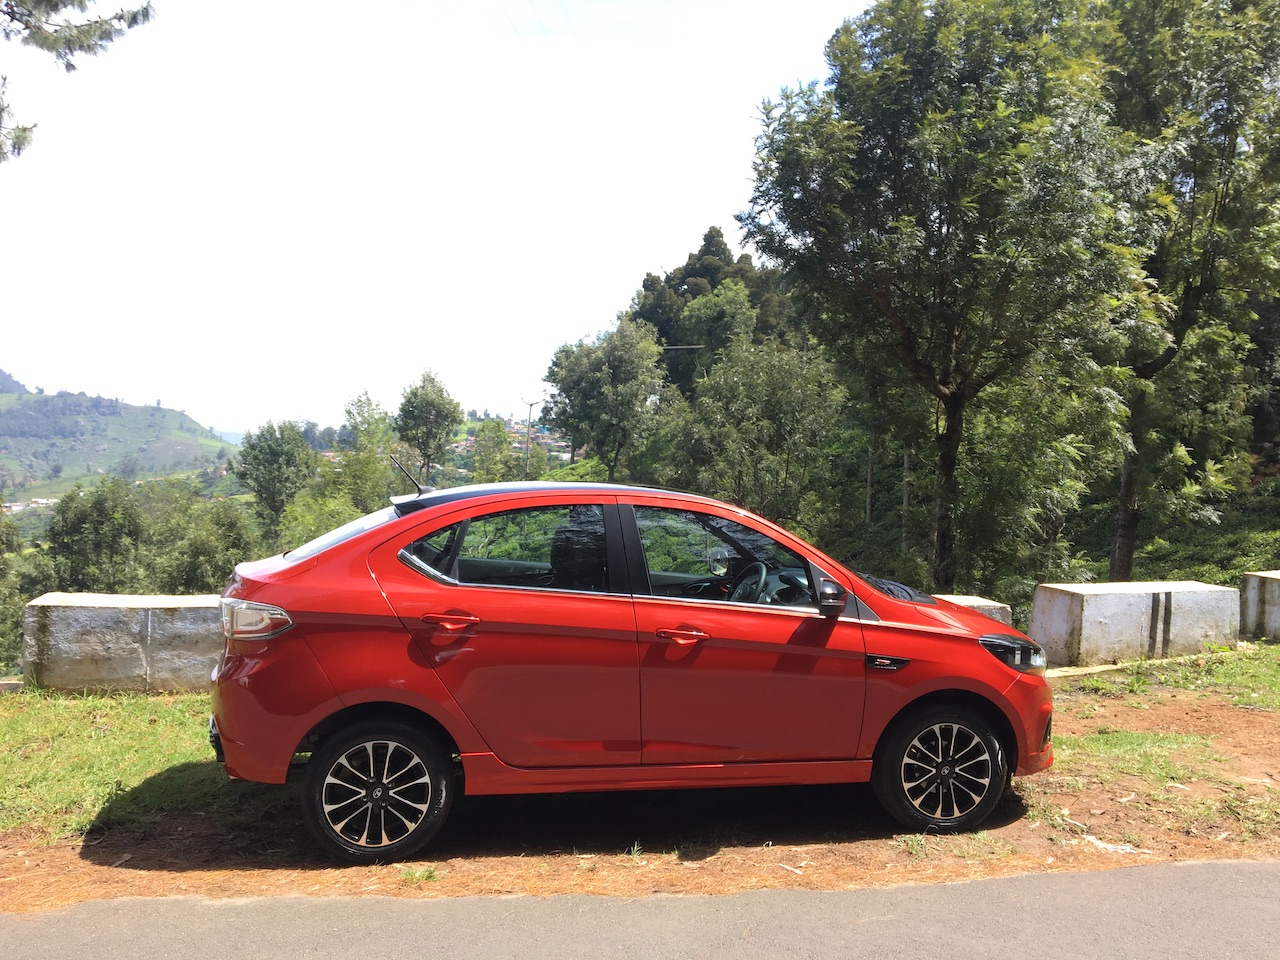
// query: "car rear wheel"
[[942, 770], [377, 792]]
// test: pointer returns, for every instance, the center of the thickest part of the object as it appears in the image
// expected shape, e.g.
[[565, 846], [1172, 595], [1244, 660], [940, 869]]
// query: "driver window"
[[701, 556]]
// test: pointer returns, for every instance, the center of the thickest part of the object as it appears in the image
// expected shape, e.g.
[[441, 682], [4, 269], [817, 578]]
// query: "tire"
[[377, 792], [942, 770]]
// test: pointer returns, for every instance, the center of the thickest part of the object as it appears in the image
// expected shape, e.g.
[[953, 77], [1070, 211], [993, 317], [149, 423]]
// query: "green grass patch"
[[1159, 758], [69, 763], [1249, 677]]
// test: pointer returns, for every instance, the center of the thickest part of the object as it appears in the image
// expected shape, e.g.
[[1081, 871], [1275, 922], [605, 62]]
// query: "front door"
[[736, 663]]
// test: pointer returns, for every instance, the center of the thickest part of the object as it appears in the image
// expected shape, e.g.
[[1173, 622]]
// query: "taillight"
[[246, 620]]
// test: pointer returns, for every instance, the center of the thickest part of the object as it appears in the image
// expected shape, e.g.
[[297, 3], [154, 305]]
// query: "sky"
[[257, 212]]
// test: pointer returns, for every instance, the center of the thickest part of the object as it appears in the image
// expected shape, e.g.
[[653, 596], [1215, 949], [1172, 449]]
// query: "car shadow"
[[190, 817]]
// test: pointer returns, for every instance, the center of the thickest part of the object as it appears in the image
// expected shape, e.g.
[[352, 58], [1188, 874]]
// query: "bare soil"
[[716, 841]]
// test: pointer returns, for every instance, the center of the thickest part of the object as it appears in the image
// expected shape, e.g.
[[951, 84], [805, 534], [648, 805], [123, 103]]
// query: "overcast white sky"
[[254, 212]]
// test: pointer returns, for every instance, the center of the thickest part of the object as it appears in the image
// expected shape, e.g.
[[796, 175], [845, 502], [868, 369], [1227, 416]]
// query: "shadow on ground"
[[191, 817]]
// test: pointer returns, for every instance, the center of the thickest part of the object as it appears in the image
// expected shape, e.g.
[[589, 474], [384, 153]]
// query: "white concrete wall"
[[1087, 624], [105, 642], [992, 608], [1260, 605]]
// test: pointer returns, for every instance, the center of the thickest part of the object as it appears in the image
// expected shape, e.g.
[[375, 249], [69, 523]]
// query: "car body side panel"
[[485, 775], [936, 661], [763, 683], [266, 696]]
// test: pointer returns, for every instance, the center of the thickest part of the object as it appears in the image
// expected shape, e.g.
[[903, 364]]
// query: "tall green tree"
[[190, 544], [275, 463], [492, 459], [758, 429], [1199, 79], [427, 420], [604, 391], [95, 538], [44, 24], [955, 200], [367, 441]]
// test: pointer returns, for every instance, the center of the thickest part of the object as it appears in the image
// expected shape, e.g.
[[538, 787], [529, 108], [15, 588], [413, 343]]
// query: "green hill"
[[48, 443]]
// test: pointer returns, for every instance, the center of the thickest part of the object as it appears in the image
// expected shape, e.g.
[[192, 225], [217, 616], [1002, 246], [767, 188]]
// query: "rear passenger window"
[[559, 548]]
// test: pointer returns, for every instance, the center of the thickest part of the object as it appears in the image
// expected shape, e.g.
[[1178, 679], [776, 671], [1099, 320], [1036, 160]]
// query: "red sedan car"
[[537, 638]]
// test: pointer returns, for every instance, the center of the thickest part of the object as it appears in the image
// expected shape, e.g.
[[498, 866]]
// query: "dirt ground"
[[715, 841]]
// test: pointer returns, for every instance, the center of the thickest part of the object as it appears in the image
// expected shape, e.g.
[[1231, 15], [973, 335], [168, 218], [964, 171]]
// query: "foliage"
[[191, 545], [308, 515], [43, 24], [274, 463], [953, 201], [587, 470], [493, 460], [758, 428], [427, 420], [1199, 80], [95, 539], [604, 391]]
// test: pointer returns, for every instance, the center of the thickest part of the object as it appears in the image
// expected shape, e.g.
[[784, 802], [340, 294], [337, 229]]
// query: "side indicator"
[[877, 662]]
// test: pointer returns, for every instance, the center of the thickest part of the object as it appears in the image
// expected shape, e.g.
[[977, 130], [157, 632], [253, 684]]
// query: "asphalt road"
[[1191, 910]]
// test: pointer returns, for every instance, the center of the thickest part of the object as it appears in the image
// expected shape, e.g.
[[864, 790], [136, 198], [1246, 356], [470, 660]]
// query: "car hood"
[[962, 618]]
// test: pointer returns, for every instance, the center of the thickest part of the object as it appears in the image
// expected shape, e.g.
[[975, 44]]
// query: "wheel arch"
[[387, 712], [979, 704]]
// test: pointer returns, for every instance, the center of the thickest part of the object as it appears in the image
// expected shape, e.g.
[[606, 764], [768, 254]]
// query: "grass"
[[72, 763], [1250, 677], [68, 763]]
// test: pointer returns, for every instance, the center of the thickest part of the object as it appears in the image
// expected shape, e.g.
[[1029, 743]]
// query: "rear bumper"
[[215, 740]]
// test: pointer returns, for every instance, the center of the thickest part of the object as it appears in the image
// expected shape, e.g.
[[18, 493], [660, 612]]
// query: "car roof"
[[432, 498]]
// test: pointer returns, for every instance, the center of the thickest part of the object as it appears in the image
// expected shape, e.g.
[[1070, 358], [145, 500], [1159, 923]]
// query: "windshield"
[[344, 532]]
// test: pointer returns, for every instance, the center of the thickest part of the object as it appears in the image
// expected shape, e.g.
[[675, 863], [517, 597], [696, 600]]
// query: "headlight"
[[1017, 652]]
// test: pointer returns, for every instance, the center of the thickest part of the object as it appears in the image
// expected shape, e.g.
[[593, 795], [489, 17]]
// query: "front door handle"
[[453, 622], [682, 635]]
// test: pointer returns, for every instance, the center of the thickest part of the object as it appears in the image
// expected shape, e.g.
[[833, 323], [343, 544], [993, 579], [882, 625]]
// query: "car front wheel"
[[377, 792], [942, 770]]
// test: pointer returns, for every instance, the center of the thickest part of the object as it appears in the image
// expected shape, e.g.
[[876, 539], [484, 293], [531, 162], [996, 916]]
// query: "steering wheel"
[[749, 584]]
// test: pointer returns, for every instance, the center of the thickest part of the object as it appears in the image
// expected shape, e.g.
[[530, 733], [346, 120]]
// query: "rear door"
[[525, 619]]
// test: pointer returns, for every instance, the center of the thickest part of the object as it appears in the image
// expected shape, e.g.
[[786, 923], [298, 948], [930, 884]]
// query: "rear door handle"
[[453, 622], [682, 635]]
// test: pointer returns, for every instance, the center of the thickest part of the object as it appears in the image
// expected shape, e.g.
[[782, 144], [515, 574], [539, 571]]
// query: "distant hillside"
[[49, 442], [10, 385]]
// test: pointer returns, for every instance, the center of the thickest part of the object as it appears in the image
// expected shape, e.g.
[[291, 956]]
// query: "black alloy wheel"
[[943, 770], [377, 792]]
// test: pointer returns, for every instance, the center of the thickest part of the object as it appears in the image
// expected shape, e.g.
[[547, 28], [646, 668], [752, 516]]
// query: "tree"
[[604, 391], [492, 460], [758, 428], [427, 420], [705, 327], [1199, 78], [191, 545], [955, 201], [274, 463], [95, 537], [365, 473], [309, 515], [42, 24]]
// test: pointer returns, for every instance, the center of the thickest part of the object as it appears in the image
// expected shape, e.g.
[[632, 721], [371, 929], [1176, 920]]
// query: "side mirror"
[[831, 597]]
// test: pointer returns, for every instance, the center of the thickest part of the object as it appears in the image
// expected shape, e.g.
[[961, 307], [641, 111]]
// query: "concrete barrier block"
[[992, 608], [1087, 624], [1260, 605], [102, 642]]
